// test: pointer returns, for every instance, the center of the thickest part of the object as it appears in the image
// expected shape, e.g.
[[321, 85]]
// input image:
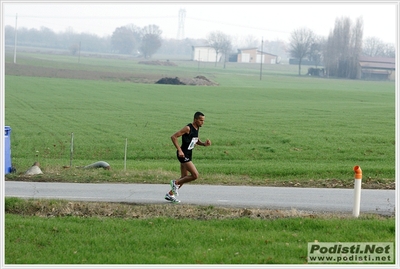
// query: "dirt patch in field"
[[46, 208], [198, 80], [37, 71]]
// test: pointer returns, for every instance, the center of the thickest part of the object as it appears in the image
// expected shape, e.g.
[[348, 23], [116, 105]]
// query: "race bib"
[[193, 143]]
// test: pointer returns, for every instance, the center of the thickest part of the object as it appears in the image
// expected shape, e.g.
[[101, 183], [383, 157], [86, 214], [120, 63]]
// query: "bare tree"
[[250, 41], [316, 50], [389, 51], [301, 41], [373, 46], [277, 47], [151, 40], [220, 42], [226, 49]]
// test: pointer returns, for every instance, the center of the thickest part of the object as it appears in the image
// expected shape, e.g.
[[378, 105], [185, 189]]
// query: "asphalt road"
[[310, 199]]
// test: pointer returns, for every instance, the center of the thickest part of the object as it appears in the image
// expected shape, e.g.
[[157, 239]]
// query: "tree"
[[125, 39], [316, 50], [74, 49], [389, 51], [221, 43], [251, 42], [226, 49], [9, 35], [355, 49], [174, 46], [277, 47], [47, 36], [343, 48], [375, 47], [68, 40], [151, 40], [301, 41]]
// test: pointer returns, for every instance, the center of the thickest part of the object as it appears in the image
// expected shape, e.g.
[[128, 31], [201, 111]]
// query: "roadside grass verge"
[[61, 232]]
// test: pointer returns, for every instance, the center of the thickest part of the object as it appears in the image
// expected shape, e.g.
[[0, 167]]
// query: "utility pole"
[[15, 39], [262, 56], [79, 56]]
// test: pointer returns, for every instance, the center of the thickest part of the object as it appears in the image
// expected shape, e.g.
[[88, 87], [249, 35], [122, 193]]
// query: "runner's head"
[[198, 119]]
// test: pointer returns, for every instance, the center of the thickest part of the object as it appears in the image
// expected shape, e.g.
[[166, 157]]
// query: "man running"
[[190, 138]]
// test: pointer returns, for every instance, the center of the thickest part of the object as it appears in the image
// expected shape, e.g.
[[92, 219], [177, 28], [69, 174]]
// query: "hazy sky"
[[267, 20]]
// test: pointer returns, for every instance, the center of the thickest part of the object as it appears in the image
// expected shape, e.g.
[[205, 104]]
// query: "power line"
[[239, 25], [91, 17], [181, 24]]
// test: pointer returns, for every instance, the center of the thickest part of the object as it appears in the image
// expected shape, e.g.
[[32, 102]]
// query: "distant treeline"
[[71, 42]]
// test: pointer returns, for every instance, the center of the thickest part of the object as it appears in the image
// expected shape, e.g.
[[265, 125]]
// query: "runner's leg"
[[185, 177]]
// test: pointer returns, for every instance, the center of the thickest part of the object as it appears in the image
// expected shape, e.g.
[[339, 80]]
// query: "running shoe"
[[171, 198], [174, 187]]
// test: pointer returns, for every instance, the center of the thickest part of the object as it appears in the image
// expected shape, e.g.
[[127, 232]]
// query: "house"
[[205, 54], [377, 68], [253, 55]]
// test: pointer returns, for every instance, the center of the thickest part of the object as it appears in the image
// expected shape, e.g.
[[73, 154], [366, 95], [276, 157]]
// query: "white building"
[[204, 54], [253, 55]]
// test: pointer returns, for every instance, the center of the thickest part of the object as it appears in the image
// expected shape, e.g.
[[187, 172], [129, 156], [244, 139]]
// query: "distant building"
[[377, 68], [205, 54], [253, 55]]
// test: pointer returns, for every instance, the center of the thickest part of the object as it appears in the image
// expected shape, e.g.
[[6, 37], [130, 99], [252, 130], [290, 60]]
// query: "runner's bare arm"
[[175, 136], [207, 143]]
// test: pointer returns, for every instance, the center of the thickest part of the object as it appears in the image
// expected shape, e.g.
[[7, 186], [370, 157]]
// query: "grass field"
[[63, 232], [283, 127], [241, 241], [277, 130]]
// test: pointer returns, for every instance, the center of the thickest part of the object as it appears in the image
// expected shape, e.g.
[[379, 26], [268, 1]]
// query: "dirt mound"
[[198, 80], [203, 78], [163, 63], [173, 81]]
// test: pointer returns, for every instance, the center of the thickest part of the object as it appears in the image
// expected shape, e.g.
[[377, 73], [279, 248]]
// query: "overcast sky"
[[267, 20]]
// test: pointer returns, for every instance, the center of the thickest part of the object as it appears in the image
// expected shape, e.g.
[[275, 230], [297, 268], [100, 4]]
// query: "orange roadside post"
[[357, 190]]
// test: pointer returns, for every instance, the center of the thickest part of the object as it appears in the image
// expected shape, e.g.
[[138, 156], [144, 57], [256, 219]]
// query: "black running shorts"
[[187, 158]]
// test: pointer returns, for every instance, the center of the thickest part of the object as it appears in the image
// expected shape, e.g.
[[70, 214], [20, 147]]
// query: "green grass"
[[74, 240], [282, 127]]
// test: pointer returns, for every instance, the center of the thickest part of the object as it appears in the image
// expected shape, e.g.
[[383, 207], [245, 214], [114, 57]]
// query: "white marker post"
[[72, 150], [126, 147], [357, 190]]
